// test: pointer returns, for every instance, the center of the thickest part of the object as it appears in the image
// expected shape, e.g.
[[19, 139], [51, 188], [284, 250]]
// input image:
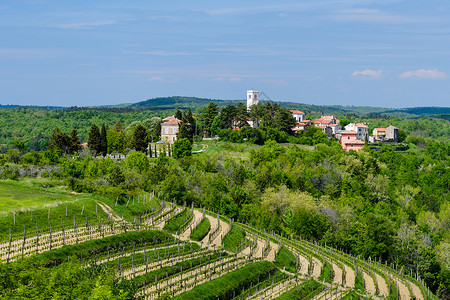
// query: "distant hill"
[[178, 102], [194, 103]]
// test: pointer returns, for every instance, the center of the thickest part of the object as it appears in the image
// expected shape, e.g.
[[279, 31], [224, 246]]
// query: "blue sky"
[[377, 53]]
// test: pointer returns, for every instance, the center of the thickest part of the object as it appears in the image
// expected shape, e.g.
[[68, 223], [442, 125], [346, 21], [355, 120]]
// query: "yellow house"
[[169, 129]]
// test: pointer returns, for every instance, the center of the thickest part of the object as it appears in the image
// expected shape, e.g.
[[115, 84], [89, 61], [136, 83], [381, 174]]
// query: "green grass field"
[[29, 202], [20, 196]]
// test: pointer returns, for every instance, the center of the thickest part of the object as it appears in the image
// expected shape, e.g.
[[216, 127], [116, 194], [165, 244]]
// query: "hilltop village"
[[352, 136]]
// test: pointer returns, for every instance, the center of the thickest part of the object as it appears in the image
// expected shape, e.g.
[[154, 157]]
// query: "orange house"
[[349, 141]]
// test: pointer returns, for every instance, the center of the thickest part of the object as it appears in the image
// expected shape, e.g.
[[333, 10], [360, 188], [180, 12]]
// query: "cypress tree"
[[74, 142], [94, 140], [104, 141], [140, 139]]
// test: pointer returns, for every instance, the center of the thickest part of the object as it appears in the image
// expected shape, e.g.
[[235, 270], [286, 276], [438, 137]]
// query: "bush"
[[182, 148]]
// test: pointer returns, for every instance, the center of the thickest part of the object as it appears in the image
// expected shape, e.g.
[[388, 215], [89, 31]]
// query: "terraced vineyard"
[[226, 260]]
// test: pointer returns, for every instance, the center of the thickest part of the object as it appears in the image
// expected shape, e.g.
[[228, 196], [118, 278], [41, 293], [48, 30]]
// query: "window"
[[249, 96], [348, 138], [167, 130]]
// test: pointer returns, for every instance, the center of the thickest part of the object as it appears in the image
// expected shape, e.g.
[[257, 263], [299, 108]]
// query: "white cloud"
[[372, 74], [84, 25], [423, 74], [235, 79], [155, 78]]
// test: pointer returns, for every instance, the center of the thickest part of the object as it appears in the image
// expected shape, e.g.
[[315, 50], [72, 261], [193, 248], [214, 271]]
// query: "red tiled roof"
[[305, 121], [348, 132], [170, 121], [380, 129], [361, 125], [297, 112]]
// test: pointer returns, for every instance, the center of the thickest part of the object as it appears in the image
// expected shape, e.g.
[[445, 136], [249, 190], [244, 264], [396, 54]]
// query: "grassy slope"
[[224, 286], [286, 259], [29, 199], [201, 230], [301, 291], [235, 236]]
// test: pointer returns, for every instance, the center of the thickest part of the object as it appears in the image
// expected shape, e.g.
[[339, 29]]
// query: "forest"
[[389, 206]]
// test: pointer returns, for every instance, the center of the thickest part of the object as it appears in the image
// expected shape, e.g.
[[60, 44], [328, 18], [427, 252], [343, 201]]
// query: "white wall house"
[[362, 130], [298, 115]]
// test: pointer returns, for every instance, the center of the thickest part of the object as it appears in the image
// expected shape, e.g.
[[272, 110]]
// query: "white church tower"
[[252, 98]]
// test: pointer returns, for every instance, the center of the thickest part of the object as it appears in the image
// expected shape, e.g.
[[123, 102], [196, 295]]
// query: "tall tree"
[[226, 117], [59, 141], [208, 115], [283, 120], [94, 140], [118, 127], [187, 127], [140, 139], [241, 115], [74, 141], [104, 141]]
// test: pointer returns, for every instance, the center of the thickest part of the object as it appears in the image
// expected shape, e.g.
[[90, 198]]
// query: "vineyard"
[[164, 251]]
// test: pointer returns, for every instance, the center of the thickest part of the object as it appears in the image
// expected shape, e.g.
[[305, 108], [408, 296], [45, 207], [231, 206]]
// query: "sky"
[[382, 53]]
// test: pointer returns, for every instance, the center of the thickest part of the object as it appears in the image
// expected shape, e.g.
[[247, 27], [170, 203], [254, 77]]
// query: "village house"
[[325, 121], [349, 141], [362, 130], [388, 134], [379, 134], [298, 115], [169, 129]]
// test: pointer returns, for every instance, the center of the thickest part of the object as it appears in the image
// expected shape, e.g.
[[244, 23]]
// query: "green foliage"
[[201, 230], [182, 148], [224, 286], [173, 224], [305, 290], [235, 238], [286, 259], [140, 139], [94, 140], [327, 272], [103, 141], [137, 161]]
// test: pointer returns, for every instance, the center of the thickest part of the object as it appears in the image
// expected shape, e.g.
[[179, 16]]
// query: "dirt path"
[[349, 277], [317, 268], [213, 222], [109, 211], [403, 289], [273, 252], [175, 212], [195, 221], [369, 284], [416, 291], [382, 286], [337, 275]]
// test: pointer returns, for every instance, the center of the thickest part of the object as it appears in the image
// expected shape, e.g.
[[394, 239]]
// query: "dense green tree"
[[208, 115], [140, 139], [117, 141], [118, 126], [182, 148], [104, 141], [94, 140], [74, 142], [226, 117], [187, 127], [284, 120]]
